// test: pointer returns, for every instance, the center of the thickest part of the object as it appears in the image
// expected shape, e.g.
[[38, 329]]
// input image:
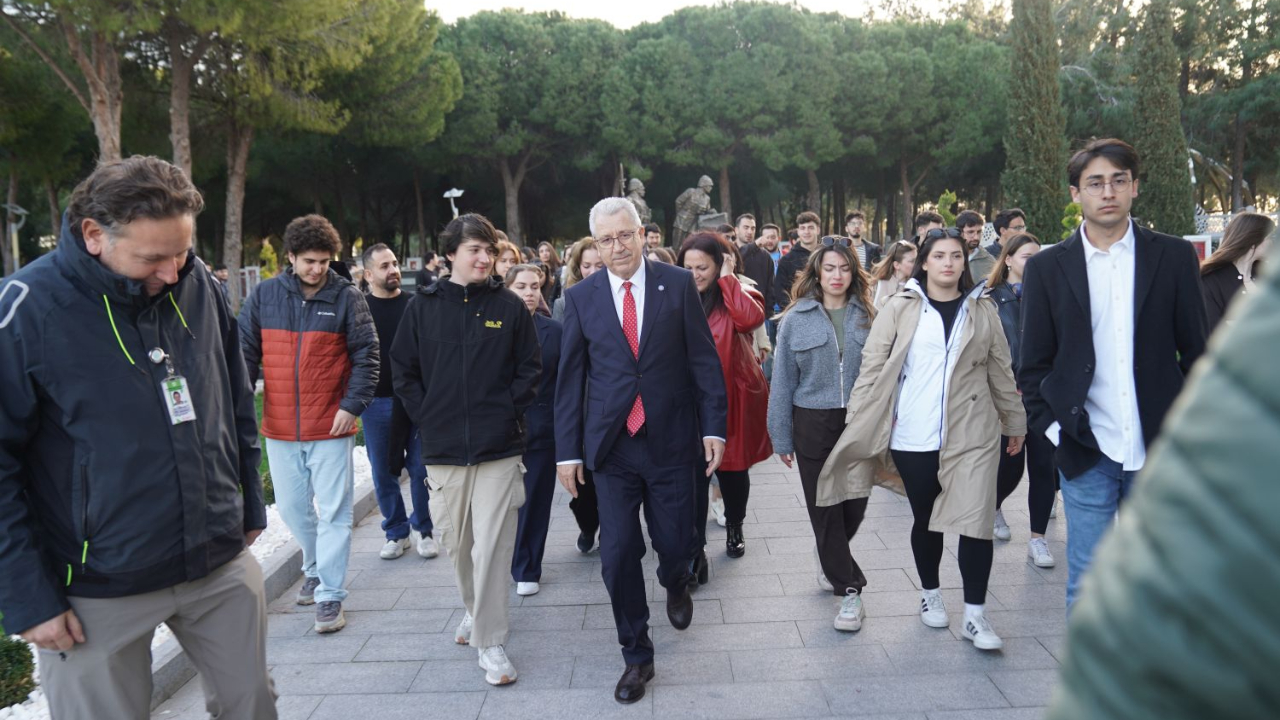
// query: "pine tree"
[[1165, 199], [1034, 178]]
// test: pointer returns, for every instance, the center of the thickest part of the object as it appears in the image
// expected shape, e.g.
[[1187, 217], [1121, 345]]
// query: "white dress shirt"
[[1112, 401], [637, 292]]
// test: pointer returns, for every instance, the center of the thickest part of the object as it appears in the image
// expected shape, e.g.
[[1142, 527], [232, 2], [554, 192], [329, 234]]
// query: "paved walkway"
[[761, 646]]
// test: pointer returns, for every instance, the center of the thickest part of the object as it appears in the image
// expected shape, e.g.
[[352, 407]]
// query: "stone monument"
[[635, 193], [690, 206]]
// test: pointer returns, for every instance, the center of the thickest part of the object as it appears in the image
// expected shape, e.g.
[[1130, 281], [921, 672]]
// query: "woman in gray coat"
[[816, 360]]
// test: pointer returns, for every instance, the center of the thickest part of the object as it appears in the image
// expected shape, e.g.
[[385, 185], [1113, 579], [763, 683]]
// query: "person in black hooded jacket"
[[119, 510], [466, 363]]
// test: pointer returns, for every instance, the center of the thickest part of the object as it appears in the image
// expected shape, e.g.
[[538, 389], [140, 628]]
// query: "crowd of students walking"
[[636, 379]]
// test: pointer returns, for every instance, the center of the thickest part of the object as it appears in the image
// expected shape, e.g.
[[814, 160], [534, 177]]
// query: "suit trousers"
[[221, 622], [535, 515], [626, 480], [476, 510]]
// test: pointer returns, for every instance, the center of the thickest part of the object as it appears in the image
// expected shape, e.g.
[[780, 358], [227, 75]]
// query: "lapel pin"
[[661, 288]]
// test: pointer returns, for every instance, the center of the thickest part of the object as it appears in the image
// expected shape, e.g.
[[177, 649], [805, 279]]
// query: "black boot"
[[734, 545]]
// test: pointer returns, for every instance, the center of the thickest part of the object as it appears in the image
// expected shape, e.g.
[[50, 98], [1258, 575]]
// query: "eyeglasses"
[[1094, 187], [939, 233], [625, 238], [832, 240]]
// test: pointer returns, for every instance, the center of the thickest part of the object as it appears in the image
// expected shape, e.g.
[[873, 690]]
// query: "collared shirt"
[[1112, 401], [637, 292]]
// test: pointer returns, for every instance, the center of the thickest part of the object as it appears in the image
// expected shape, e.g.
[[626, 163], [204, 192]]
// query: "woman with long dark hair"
[[733, 314], [893, 272], [935, 394], [817, 357], [1036, 457], [1228, 272], [550, 261]]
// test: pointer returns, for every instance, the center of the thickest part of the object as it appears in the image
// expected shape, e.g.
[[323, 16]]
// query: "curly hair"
[[311, 232]]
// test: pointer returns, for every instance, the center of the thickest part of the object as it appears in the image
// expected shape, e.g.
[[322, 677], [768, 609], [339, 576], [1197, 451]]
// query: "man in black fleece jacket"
[[465, 363]]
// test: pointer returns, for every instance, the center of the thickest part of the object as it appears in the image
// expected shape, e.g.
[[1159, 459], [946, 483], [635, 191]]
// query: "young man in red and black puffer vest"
[[314, 337]]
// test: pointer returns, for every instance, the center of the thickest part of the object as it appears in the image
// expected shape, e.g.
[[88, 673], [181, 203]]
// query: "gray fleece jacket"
[[808, 369]]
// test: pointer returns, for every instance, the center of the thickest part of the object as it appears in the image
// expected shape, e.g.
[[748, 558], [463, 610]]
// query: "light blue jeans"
[[309, 477], [1091, 501]]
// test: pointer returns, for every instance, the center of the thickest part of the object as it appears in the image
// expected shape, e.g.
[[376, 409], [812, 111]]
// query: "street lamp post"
[[14, 227], [451, 194]]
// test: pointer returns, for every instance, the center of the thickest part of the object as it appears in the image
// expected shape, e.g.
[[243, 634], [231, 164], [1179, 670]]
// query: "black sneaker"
[[307, 595], [585, 542]]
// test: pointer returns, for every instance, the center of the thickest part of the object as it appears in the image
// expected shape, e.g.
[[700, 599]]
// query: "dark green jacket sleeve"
[[1177, 617]]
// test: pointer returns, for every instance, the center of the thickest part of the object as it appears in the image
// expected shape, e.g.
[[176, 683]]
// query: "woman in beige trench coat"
[[933, 397]]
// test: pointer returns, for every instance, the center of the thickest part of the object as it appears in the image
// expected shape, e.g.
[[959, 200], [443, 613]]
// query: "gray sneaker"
[[329, 617], [849, 619], [307, 595]]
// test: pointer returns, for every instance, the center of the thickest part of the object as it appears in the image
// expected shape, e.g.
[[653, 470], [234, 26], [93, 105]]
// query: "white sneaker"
[[498, 669], [849, 618], [932, 611], [527, 588], [717, 507], [1002, 527], [978, 629], [394, 549], [823, 582], [463, 635], [1038, 551], [427, 547]]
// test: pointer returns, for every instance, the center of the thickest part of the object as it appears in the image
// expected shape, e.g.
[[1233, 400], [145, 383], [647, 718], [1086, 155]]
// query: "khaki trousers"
[[476, 509], [221, 621]]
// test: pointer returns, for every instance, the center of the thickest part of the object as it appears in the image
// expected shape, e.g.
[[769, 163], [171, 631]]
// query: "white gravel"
[[275, 536]]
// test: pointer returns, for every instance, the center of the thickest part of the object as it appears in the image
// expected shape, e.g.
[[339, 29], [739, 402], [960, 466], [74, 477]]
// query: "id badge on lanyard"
[[174, 389]]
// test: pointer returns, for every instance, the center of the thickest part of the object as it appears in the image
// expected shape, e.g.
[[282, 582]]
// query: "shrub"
[[1070, 219], [17, 669]]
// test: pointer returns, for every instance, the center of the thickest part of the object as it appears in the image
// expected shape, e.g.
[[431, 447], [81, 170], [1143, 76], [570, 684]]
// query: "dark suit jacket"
[[1057, 338], [874, 253], [539, 419], [757, 265], [677, 373], [1221, 286]]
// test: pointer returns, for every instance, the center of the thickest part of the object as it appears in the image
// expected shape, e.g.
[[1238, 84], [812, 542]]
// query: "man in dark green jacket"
[[1179, 620]]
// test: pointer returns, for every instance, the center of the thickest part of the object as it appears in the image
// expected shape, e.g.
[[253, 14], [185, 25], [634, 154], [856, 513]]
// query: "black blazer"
[[874, 253], [1057, 338], [1221, 286], [539, 419]]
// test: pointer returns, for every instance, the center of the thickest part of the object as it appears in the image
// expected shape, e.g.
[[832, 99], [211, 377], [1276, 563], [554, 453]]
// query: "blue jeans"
[[377, 426], [311, 476], [1091, 501]]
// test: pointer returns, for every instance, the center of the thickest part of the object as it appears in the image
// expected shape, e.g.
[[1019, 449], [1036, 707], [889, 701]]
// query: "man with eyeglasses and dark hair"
[[1113, 319], [868, 252], [1007, 223], [981, 262]]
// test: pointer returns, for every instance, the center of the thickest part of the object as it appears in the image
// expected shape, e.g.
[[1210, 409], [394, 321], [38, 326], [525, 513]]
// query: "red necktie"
[[630, 328]]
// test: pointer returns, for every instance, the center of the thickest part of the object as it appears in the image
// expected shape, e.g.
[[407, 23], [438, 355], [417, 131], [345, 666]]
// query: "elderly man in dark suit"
[[640, 394]]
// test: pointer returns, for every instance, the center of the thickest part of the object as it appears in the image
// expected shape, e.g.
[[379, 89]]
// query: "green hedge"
[[17, 670]]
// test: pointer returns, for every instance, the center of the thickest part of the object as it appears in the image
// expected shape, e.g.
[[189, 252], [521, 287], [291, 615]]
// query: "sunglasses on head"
[[939, 233], [833, 240]]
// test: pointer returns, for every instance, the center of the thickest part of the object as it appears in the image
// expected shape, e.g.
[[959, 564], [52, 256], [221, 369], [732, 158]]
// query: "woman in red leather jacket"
[[733, 312]]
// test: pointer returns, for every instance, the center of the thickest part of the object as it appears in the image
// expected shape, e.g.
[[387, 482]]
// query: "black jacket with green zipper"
[[100, 495], [466, 364]]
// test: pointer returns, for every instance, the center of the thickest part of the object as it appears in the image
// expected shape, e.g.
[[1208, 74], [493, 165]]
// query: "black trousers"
[[586, 507], [1042, 478], [535, 514], [815, 433], [625, 481], [919, 471]]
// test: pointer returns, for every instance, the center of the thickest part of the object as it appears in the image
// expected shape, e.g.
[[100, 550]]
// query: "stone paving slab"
[[762, 644]]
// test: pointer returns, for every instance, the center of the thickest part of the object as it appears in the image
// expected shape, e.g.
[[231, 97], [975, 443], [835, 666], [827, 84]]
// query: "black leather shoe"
[[585, 542], [734, 545], [680, 607], [631, 686], [699, 570]]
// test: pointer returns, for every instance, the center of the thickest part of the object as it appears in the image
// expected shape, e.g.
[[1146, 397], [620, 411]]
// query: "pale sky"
[[628, 13]]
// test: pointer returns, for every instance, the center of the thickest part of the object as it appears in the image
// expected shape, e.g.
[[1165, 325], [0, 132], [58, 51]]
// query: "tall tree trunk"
[[10, 252], [877, 223], [422, 220], [891, 216], [239, 140], [180, 69], [55, 213], [905, 210], [814, 198], [726, 206], [838, 210], [512, 179]]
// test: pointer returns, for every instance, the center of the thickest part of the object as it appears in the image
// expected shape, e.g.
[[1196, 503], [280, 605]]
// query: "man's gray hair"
[[609, 207]]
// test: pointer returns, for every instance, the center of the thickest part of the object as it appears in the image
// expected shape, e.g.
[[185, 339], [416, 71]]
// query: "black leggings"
[[919, 471], [1037, 455]]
